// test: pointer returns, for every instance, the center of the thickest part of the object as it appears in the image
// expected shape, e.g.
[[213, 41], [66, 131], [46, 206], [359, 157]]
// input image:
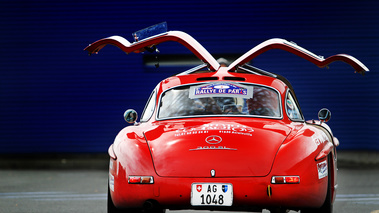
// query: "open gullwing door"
[[150, 42], [278, 43], [148, 38]]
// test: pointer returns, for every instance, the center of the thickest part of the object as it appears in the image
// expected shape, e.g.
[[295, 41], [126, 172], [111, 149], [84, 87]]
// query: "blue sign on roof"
[[150, 31]]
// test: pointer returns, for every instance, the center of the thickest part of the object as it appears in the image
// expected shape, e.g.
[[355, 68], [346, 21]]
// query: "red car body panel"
[[246, 152], [296, 156], [228, 157]]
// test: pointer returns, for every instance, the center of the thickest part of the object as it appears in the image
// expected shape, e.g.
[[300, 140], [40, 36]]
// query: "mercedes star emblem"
[[213, 139]]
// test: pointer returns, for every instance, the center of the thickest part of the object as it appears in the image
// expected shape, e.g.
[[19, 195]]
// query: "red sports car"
[[222, 137]]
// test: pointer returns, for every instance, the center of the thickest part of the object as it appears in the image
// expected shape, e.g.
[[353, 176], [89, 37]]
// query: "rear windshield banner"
[[221, 89]]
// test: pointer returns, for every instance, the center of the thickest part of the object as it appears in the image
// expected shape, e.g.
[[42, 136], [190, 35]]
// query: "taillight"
[[285, 179], [140, 179]]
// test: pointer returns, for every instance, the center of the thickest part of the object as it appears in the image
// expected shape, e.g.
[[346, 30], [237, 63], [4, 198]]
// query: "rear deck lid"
[[230, 149]]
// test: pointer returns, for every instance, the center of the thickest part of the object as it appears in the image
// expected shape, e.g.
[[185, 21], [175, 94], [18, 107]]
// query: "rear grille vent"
[[207, 79], [234, 78]]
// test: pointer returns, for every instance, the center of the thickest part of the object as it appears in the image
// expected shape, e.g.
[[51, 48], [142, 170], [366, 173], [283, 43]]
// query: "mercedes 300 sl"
[[222, 137]]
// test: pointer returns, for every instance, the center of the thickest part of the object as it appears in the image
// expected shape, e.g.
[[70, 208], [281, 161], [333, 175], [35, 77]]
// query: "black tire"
[[327, 207]]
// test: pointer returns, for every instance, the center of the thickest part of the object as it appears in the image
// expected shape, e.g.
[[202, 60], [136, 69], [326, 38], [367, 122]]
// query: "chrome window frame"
[[297, 104], [153, 97]]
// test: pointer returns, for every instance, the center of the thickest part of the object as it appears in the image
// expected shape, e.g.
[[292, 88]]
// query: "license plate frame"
[[211, 194]]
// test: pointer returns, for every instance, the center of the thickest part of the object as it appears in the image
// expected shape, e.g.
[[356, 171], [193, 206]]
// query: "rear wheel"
[[327, 207]]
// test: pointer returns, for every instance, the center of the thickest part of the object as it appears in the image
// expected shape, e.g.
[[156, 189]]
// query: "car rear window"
[[219, 99]]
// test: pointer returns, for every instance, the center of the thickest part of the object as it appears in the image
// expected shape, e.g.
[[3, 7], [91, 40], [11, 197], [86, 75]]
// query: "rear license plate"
[[211, 194]]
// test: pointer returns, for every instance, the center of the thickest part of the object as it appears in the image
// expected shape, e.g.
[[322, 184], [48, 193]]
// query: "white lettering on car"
[[223, 128]]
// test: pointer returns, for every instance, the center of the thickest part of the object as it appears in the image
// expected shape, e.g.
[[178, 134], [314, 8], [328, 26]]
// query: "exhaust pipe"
[[150, 204]]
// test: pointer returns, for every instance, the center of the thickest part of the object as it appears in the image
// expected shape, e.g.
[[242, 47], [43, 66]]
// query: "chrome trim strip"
[[192, 70]]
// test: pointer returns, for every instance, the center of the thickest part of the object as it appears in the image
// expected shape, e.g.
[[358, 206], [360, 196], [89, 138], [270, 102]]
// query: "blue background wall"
[[55, 98]]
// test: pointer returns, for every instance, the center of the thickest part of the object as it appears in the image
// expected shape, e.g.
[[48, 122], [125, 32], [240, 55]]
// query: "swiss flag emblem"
[[199, 188]]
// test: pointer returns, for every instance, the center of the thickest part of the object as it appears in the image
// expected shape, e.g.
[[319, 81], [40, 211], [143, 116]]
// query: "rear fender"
[[300, 147], [296, 157], [132, 158], [132, 152]]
